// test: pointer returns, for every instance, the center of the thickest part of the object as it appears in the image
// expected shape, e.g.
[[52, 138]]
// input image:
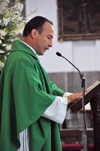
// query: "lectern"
[[92, 96]]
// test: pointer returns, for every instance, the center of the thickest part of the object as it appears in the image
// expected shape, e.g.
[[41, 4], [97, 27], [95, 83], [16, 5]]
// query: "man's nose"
[[50, 43]]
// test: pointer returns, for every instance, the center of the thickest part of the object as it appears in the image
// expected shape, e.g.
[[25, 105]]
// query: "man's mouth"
[[46, 49]]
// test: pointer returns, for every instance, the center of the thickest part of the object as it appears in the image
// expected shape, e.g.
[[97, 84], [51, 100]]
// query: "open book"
[[91, 92]]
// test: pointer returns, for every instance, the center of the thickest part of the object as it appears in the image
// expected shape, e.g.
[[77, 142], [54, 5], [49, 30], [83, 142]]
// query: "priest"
[[31, 106]]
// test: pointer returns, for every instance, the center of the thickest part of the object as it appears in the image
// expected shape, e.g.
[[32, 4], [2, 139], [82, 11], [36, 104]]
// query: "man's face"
[[44, 39]]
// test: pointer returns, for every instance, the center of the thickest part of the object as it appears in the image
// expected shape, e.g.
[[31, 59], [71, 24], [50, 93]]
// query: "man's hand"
[[74, 96]]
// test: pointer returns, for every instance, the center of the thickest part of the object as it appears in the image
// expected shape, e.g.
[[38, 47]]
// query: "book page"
[[93, 85], [87, 106]]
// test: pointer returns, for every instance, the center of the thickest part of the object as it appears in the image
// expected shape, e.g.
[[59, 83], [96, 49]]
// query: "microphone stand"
[[84, 135]]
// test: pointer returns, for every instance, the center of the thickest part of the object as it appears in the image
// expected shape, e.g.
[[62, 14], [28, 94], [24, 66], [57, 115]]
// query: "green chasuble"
[[25, 94]]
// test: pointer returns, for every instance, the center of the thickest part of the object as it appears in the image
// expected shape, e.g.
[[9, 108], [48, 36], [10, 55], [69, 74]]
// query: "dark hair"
[[35, 23]]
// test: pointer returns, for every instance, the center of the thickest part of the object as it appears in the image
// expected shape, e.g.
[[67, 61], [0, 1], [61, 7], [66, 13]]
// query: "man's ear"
[[33, 33]]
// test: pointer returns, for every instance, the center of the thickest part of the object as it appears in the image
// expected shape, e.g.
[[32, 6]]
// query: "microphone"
[[84, 136], [60, 55]]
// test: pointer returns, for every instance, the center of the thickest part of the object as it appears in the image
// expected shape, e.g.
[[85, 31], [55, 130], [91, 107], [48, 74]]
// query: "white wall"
[[84, 54]]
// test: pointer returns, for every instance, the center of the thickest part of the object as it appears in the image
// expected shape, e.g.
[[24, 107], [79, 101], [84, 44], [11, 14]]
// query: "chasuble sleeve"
[[55, 90]]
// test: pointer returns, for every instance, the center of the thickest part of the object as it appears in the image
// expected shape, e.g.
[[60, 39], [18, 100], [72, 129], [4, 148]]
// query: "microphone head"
[[58, 54]]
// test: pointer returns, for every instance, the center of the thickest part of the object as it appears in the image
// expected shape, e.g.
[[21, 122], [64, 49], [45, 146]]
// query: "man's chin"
[[40, 54], [43, 52]]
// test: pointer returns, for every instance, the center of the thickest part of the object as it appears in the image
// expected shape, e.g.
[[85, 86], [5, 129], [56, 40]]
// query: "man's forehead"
[[48, 27]]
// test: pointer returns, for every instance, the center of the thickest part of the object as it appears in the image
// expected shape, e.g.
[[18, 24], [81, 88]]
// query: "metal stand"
[[84, 135]]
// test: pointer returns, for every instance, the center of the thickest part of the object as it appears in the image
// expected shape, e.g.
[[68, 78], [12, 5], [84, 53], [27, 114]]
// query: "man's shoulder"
[[20, 55]]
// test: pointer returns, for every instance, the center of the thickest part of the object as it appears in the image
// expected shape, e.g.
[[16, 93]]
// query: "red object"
[[75, 147]]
